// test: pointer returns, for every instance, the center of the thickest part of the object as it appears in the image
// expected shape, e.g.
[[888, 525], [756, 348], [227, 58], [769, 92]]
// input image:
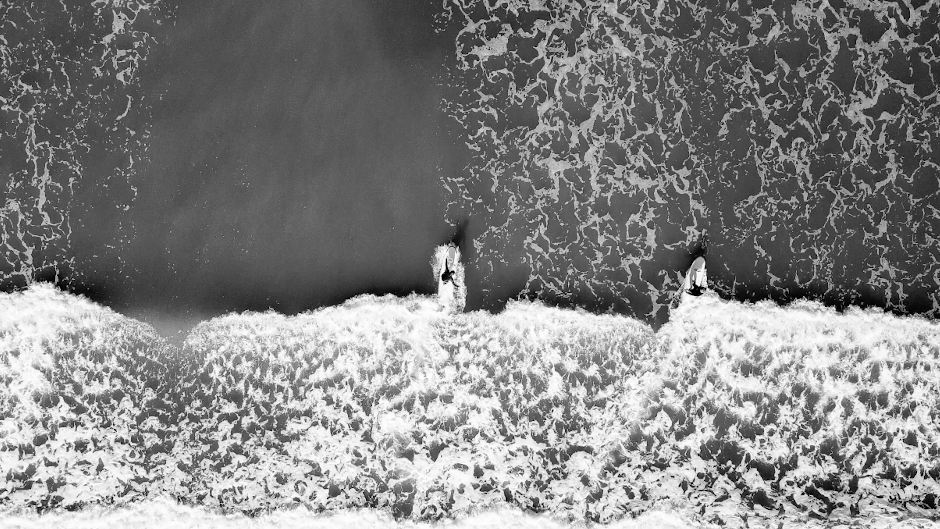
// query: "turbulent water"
[[731, 414], [598, 142], [164, 513], [608, 138]]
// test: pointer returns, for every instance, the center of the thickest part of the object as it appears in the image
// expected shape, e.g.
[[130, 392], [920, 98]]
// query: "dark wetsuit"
[[448, 274]]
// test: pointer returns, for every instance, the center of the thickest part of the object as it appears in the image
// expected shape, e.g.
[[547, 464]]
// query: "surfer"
[[448, 274], [696, 283]]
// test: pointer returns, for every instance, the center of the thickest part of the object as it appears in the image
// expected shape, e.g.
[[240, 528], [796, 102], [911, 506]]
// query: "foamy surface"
[[731, 414]]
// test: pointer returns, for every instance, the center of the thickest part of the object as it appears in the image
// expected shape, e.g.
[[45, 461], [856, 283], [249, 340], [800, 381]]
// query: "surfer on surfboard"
[[695, 282], [448, 274]]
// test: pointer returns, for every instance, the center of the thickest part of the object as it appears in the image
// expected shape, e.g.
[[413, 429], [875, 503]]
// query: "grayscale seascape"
[[434, 264]]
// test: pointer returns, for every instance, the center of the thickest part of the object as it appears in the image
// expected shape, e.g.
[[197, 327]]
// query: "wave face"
[[70, 101], [730, 414], [608, 137]]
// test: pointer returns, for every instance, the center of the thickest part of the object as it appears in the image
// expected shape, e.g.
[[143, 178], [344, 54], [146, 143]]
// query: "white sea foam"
[[36, 322], [166, 514], [436, 416]]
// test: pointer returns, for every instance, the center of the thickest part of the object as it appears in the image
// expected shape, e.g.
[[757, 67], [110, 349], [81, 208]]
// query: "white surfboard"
[[696, 279], [448, 270]]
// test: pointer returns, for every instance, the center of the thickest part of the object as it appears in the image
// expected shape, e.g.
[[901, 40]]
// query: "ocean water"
[[609, 138], [206, 175], [178, 159], [198, 158]]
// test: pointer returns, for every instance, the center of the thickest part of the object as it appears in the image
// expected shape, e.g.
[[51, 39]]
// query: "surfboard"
[[451, 254], [450, 278], [696, 280]]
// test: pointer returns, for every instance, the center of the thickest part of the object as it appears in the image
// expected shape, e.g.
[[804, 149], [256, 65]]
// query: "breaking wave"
[[734, 414]]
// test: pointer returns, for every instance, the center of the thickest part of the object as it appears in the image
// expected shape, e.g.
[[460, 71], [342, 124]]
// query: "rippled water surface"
[[174, 158], [608, 138], [180, 156]]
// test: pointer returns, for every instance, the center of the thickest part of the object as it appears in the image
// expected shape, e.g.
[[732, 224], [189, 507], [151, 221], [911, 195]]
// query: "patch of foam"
[[35, 321], [367, 387], [159, 514], [165, 513], [102, 44]]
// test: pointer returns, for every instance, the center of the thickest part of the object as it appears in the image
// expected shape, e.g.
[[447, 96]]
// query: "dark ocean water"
[[282, 157], [181, 160], [610, 138]]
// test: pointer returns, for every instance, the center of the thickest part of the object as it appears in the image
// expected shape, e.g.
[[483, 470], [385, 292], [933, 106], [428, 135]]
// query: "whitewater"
[[389, 412]]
